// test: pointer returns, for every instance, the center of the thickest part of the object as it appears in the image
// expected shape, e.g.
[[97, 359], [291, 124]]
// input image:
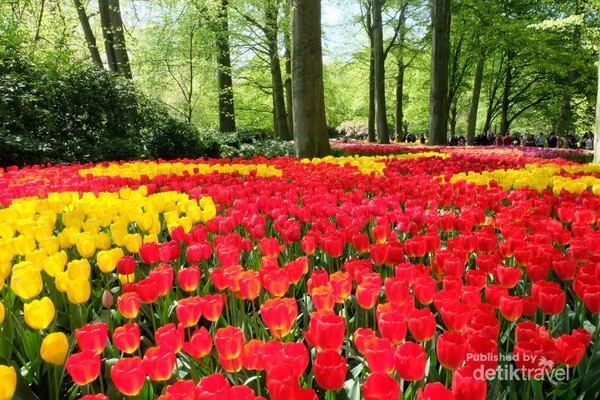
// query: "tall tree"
[[226, 105], [383, 135], [438, 93], [114, 37], [287, 43], [366, 7], [474, 107], [310, 124], [90, 39]]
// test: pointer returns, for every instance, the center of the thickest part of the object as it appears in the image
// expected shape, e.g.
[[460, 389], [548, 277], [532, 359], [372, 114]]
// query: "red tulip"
[[323, 298], [188, 311], [147, 290], [214, 386], [341, 282], [528, 330], [451, 350], [435, 391], [571, 350], [508, 276], [379, 253], [128, 375], [297, 268], [250, 285], [493, 294], [549, 297], [424, 289], [591, 298], [229, 342], [99, 396], [92, 337], [380, 355], [410, 360], [83, 367], [129, 305], [189, 278], [159, 363], [392, 325], [309, 245], [396, 290], [212, 306], [200, 343], [482, 353], [276, 281], [163, 276], [455, 315], [467, 385], [381, 386], [361, 242], [536, 357], [565, 269], [511, 307], [330, 370], [279, 315], [127, 338], [170, 337], [367, 294], [325, 330], [529, 306], [181, 390], [421, 324], [126, 265], [360, 338], [251, 355]]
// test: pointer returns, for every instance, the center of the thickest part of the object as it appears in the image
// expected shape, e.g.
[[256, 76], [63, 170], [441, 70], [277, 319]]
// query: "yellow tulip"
[[39, 313], [79, 269], [2, 312], [8, 382], [102, 241], [5, 267], [133, 242], [85, 244], [55, 348], [79, 291], [24, 244], [56, 263], [50, 245], [26, 283], [151, 238], [107, 259], [61, 281]]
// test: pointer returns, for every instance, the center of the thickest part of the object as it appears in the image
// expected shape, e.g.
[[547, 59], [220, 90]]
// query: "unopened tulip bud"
[[107, 299]]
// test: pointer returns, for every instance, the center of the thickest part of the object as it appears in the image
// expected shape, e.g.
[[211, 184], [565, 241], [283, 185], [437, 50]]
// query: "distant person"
[[540, 140], [423, 141], [589, 141], [516, 139], [552, 141], [453, 140], [571, 139], [562, 142], [529, 140], [498, 140], [507, 140]]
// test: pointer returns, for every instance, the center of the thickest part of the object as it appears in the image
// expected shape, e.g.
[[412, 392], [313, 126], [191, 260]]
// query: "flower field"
[[431, 274]]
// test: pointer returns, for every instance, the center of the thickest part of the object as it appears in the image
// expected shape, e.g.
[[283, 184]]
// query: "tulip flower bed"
[[424, 275]]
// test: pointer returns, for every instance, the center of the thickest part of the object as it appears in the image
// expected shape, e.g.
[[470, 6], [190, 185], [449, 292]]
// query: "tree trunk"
[[310, 124], [287, 42], [226, 106], [472, 124], [504, 121], [108, 35], [271, 31], [564, 117], [371, 122], [452, 118], [440, 53], [90, 39], [597, 132], [383, 135], [119, 47], [399, 100]]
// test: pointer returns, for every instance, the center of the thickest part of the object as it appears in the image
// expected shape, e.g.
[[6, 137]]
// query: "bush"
[[353, 129]]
